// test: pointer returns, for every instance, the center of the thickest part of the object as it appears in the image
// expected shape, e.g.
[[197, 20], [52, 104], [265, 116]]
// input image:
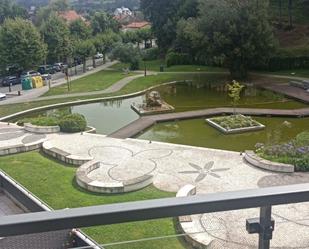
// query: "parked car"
[[46, 69], [58, 66], [30, 74], [46, 76], [98, 56], [10, 80], [2, 96]]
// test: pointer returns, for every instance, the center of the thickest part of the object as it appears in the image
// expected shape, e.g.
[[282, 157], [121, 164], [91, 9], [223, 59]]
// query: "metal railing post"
[[266, 227]]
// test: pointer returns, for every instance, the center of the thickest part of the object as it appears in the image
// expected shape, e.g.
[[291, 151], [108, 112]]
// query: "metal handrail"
[[162, 208]]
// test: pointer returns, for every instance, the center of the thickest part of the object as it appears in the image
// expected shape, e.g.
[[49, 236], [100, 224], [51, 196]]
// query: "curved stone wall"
[[84, 181], [41, 129], [186, 223], [262, 163], [64, 156]]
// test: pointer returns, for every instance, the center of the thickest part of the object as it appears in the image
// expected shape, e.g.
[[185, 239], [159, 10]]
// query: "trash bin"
[[37, 82], [161, 68], [26, 83]]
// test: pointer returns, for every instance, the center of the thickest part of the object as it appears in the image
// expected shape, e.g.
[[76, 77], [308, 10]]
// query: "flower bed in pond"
[[235, 124]]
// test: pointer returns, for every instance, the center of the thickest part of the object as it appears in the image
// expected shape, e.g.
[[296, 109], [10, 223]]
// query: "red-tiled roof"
[[137, 25], [70, 15]]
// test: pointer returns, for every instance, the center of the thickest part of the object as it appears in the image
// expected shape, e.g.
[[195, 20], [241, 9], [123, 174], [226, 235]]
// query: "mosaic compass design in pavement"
[[203, 172]]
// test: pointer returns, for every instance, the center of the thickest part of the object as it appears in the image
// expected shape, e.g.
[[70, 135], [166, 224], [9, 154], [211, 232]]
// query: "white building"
[[123, 12]]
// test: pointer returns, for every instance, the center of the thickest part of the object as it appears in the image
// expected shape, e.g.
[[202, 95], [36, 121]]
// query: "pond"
[[197, 132], [109, 116]]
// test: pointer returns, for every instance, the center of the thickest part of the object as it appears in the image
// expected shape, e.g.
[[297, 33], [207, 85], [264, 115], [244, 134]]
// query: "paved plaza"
[[174, 166]]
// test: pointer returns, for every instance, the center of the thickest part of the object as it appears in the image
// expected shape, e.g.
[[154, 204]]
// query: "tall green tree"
[[102, 22], [80, 30], [11, 10], [163, 16], [83, 50], [233, 33], [127, 53], [20, 44], [56, 35], [105, 42]]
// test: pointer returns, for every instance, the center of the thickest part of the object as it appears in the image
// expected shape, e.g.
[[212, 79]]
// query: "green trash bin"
[[161, 68], [26, 83]]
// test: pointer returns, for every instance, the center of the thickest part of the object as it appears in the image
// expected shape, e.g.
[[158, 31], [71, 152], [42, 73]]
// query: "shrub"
[[73, 123], [40, 121], [151, 54], [294, 152], [173, 58]]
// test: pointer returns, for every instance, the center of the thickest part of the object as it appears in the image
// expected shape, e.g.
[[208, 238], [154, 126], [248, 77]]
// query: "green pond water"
[[197, 132], [187, 97], [109, 116]]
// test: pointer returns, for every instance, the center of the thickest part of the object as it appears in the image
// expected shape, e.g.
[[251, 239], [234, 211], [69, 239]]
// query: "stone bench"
[[84, 181], [187, 190], [41, 129], [262, 163]]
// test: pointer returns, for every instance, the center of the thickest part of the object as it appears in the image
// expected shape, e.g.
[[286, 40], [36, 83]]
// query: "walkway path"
[[114, 88], [145, 122], [290, 91], [34, 94], [173, 166]]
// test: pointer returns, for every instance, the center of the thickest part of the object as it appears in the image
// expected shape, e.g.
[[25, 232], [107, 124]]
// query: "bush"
[[295, 152], [73, 123], [40, 121], [173, 58], [151, 54]]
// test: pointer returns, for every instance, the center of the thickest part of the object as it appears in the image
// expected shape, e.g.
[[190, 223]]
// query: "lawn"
[[94, 82], [155, 66], [55, 184], [292, 73]]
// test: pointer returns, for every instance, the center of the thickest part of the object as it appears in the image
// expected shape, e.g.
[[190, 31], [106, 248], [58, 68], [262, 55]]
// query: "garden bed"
[[294, 152], [235, 124]]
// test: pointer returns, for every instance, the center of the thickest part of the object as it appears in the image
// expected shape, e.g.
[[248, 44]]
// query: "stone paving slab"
[[211, 171]]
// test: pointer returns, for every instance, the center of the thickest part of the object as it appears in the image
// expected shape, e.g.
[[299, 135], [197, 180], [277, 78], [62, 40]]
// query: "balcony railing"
[[263, 198]]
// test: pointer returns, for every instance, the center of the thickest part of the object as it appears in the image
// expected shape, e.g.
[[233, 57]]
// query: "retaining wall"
[[262, 163]]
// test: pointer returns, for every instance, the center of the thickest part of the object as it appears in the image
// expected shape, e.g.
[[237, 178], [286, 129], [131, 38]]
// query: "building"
[[123, 11], [70, 16], [136, 26]]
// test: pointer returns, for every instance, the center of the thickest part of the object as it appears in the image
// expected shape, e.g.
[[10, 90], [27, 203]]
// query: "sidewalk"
[[34, 94]]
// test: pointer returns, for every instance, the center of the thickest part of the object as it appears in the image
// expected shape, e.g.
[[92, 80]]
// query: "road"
[[35, 93], [55, 77]]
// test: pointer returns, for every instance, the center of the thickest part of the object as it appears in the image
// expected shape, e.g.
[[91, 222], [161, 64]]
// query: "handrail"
[[151, 209]]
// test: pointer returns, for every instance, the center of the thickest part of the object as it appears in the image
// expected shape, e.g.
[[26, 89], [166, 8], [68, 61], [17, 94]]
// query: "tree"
[[145, 35], [56, 35], [83, 50], [11, 10], [163, 16], [231, 33], [20, 44], [290, 6], [127, 53], [80, 30], [234, 93], [105, 42], [102, 22], [59, 5]]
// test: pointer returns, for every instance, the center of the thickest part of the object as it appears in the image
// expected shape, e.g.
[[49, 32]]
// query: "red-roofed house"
[[136, 26], [70, 16]]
